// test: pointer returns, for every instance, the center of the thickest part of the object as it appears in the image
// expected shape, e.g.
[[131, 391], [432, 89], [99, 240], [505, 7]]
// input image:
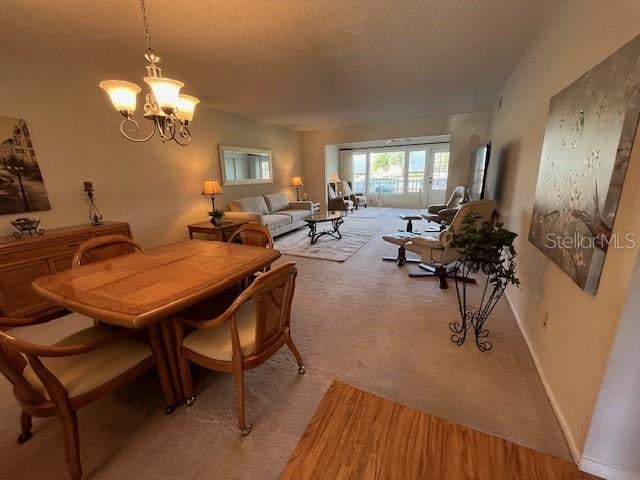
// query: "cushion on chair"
[[215, 343], [249, 204], [274, 222], [276, 202], [400, 238], [427, 241], [82, 373]]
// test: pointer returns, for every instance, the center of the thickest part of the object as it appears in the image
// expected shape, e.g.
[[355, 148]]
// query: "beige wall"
[[467, 130], [153, 186], [611, 450], [572, 350]]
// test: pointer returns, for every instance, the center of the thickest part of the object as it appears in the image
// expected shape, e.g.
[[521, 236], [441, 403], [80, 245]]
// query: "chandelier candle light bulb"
[[165, 92], [123, 95], [186, 107], [169, 111]]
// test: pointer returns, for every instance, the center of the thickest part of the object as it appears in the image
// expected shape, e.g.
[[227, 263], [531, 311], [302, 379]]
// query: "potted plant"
[[216, 217], [486, 249]]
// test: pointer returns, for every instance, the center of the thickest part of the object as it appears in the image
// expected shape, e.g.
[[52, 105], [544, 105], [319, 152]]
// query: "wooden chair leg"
[[65, 412], [296, 353], [69, 421], [26, 425], [238, 375]]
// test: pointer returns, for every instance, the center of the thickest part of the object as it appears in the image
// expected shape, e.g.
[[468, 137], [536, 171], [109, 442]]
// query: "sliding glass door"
[[417, 171]]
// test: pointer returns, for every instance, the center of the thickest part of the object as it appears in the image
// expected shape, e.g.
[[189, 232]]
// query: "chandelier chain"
[[145, 22]]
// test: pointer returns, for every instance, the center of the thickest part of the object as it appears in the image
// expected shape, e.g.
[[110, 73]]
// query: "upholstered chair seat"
[[215, 343], [80, 374]]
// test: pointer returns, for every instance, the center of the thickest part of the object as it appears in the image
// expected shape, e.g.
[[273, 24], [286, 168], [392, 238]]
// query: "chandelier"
[[170, 111]]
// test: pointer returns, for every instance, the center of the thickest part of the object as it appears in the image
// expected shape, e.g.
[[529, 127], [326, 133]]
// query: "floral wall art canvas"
[[21, 184], [588, 139]]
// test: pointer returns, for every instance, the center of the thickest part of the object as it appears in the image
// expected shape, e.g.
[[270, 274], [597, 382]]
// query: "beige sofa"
[[274, 211]]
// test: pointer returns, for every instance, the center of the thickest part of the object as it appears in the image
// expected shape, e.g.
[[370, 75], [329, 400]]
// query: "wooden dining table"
[[144, 289]]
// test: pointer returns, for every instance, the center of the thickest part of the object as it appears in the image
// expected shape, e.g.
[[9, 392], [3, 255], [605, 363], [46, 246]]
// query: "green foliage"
[[384, 161], [218, 213], [491, 246]]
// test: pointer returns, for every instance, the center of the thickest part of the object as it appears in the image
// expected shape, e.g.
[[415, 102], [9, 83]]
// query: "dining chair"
[[257, 235], [102, 248], [253, 234], [253, 327], [57, 380]]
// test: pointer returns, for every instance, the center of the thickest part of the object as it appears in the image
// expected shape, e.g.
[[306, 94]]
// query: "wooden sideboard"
[[24, 259]]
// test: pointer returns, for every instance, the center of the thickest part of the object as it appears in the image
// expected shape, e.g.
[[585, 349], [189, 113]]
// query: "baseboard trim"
[[603, 470], [573, 447]]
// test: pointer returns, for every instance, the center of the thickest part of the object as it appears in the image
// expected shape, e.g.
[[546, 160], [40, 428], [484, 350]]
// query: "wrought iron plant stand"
[[474, 316]]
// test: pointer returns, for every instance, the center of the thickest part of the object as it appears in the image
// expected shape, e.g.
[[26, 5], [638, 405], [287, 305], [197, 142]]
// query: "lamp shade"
[[165, 92], [122, 94], [296, 181], [211, 187], [186, 106], [335, 178]]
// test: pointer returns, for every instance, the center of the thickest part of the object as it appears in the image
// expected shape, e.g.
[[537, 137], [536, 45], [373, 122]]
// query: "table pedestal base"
[[334, 232]]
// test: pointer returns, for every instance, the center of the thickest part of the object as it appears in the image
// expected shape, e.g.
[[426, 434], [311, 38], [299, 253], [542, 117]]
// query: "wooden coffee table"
[[215, 232], [335, 217]]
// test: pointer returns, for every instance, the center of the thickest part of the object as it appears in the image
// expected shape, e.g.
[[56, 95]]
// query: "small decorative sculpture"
[[94, 214], [29, 225]]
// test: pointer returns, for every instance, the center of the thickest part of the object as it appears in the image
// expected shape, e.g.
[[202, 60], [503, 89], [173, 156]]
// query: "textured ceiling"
[[305, 64]]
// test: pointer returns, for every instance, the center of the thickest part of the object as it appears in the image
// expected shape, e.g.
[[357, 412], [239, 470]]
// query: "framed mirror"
[[245, 166]]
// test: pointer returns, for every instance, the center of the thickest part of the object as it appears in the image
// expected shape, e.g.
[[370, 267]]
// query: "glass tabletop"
[[324, 216]]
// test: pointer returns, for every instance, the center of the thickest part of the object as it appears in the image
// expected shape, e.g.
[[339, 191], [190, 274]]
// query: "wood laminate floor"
[[357, 435]]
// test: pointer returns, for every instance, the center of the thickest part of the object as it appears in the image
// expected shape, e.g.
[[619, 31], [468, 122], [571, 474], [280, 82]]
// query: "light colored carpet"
[[298, 243], [369, 212], [363, 322]]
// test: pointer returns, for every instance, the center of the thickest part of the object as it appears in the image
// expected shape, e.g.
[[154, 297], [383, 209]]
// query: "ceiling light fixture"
[[170, 111]]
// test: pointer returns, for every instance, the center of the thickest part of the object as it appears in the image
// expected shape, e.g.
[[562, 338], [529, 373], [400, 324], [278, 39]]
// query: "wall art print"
[[21, 184], [587, 143]]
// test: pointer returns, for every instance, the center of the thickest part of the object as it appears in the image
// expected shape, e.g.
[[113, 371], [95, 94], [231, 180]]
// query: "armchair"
[[337, 202], [443, 214], [358, 199], [437, 254]]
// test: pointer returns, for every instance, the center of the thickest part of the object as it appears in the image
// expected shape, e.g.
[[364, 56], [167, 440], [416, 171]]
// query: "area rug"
[[298, 244]]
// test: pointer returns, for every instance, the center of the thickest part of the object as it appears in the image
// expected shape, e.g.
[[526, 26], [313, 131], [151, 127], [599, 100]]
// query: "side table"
[[215, 232]]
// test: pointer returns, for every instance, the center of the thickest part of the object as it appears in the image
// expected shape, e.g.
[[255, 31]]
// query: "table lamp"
[[296, 181], [212, 187], [336, 179]]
